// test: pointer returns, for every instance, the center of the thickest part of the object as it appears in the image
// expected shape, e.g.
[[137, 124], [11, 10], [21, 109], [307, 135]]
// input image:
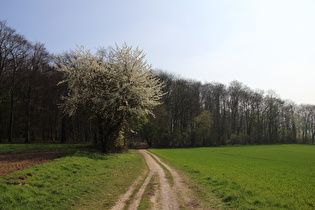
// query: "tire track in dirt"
[[167, 195]]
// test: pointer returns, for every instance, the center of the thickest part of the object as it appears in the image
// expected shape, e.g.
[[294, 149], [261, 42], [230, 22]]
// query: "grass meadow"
[[251, 177], [86, 179]]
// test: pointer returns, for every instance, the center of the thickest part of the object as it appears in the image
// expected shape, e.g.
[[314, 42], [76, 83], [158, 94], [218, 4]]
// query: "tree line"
[[28, 92], [196, 114], [33, 107]]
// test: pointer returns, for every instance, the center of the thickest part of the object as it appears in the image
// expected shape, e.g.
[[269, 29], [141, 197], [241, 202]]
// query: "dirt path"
[[170, 191]]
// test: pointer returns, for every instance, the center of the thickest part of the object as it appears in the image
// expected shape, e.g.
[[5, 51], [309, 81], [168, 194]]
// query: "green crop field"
[[251, 177]]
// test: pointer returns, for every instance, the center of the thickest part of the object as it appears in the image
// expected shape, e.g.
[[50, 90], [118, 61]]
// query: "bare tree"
[[18, 52], [37, 64], [306, 113], [6, 43]]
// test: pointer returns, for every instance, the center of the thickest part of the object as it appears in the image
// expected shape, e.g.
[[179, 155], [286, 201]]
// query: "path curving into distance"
[[170, 191]]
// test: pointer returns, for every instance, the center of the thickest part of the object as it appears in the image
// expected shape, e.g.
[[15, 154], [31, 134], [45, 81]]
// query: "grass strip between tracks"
[[168, 174], [150, 191]]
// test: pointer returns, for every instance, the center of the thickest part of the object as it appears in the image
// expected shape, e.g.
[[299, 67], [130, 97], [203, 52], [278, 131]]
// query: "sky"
[[264, 44]]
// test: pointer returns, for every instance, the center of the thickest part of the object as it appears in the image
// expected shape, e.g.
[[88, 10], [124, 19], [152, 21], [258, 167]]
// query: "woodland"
[[185, 112]]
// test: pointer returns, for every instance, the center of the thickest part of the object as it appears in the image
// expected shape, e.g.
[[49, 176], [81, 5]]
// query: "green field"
[[251, 177], [86, 179]]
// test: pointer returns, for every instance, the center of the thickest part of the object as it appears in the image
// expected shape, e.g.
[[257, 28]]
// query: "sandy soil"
[[10, 162], [169, 195]]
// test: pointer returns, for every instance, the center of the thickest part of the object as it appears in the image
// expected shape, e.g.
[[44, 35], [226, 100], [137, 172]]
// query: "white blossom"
[[113, 84]]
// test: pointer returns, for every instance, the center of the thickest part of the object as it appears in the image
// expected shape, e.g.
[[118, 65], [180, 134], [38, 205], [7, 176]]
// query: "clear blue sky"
[[265, 44]]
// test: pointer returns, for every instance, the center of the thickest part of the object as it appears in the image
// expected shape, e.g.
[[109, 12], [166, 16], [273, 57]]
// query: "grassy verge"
[[82, 180], [251, 177], [150, 191]]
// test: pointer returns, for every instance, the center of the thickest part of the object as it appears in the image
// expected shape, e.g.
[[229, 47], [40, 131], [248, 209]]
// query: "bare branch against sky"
[[263, 44]]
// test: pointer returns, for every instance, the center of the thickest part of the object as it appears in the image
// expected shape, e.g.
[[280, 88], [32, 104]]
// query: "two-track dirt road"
[[170, 191]]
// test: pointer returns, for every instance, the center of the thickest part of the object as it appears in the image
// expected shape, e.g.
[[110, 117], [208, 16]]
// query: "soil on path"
[[10, 162], [170, 191]]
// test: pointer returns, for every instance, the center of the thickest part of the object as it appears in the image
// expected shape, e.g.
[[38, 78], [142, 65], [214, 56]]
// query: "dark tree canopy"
[[113, 97]]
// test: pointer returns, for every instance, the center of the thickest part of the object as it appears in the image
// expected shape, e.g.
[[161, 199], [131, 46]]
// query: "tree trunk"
[[293, 133], [63, 130], [149, 141], [0, 124], [103, 138], [1, 131], [28, 119], [27, 128], [10, 129], [108, 133], [95, 140]]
